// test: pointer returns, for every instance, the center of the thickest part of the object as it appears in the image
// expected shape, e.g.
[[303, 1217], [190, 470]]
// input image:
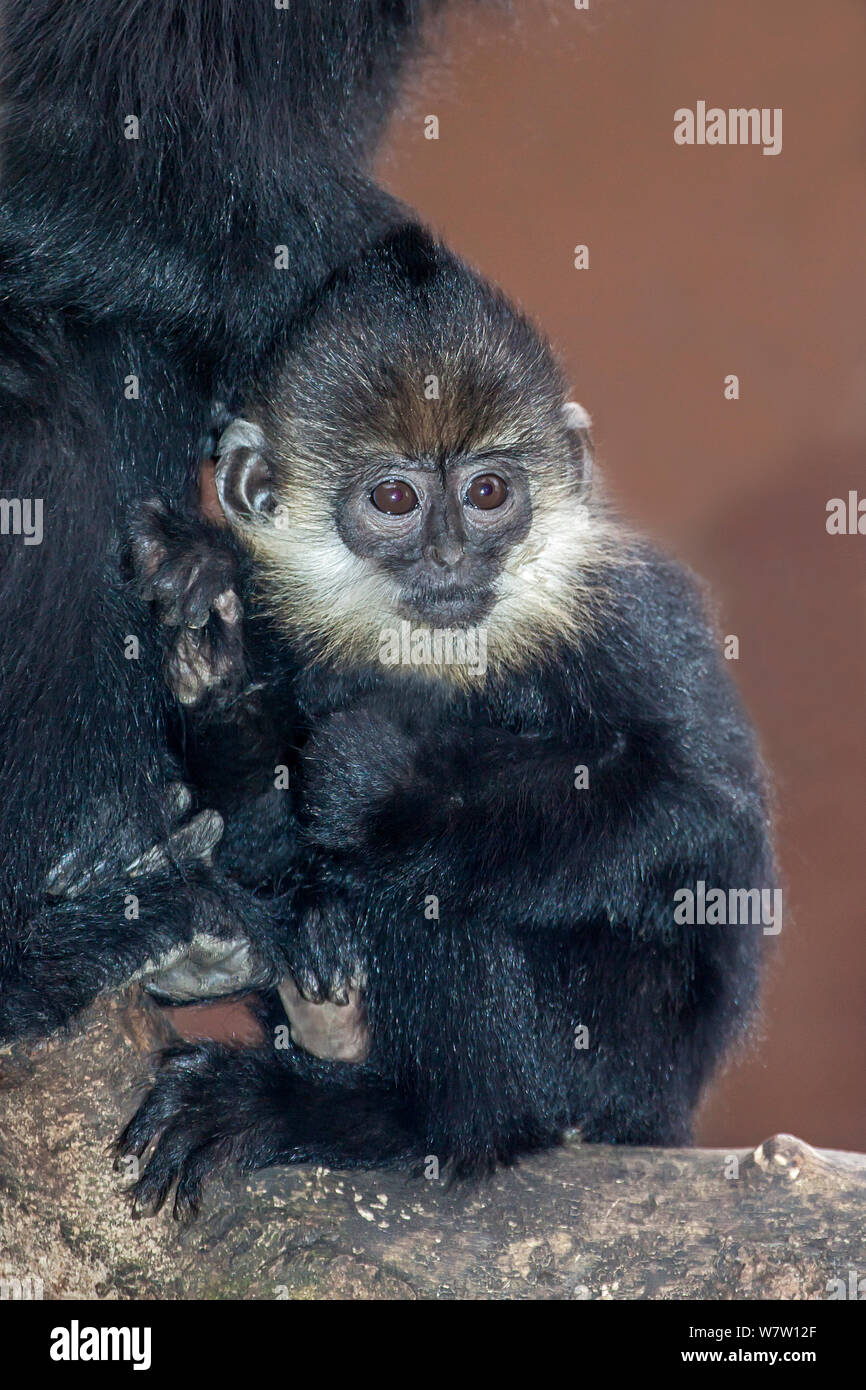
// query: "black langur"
[[175, 178], [515, 744]]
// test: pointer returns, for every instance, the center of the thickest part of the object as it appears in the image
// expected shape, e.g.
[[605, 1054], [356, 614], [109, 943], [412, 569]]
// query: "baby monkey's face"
[[448, 532], [408, 455], [440, 531]]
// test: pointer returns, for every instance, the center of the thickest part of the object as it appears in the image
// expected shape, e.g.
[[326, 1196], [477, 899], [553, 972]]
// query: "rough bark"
[[581, 1222]]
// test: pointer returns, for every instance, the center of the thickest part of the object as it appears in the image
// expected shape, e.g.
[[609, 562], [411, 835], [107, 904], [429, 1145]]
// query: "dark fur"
[[156, 257], [153, 257], [555, 904]]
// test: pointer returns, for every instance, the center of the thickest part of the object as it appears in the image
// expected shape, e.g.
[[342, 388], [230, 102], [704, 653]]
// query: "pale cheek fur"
[[338, 605]]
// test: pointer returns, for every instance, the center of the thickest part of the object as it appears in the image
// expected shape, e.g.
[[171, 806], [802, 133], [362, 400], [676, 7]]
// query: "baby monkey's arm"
[[187, 569]]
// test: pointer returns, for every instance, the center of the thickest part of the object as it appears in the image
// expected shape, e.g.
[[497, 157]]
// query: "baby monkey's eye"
[[395, 498], [486, 492]]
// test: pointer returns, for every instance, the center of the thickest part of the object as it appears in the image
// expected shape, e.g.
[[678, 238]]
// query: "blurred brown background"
[[556, 128]]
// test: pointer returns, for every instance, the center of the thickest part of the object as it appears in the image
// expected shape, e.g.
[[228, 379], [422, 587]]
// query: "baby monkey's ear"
[[242, 475], [578, 423]]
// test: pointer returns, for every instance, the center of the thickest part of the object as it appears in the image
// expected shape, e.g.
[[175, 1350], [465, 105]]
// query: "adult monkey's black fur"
[[365, 502], [155, 257]]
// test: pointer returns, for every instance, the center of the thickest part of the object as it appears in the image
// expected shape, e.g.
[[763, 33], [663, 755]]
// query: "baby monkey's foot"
[[210, 966], [189, 573], [189, 842]]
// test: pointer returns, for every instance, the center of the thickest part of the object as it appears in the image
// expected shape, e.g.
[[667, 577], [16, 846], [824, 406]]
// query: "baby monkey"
[[386, 508], [509, 740], [379, 508]]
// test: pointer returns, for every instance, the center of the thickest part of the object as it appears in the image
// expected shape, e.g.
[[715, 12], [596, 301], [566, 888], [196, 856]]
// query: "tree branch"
[[579, 1222]]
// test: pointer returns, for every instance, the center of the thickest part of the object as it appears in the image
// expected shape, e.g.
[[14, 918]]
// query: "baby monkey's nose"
[[443, 541], [445, 551]]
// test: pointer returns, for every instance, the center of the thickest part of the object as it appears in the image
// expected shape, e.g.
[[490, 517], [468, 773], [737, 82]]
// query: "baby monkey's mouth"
[[446, 604]]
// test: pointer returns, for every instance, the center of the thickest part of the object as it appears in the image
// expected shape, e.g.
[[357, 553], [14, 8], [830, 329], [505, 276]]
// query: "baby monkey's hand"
[[323, 951], [189, 573]]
